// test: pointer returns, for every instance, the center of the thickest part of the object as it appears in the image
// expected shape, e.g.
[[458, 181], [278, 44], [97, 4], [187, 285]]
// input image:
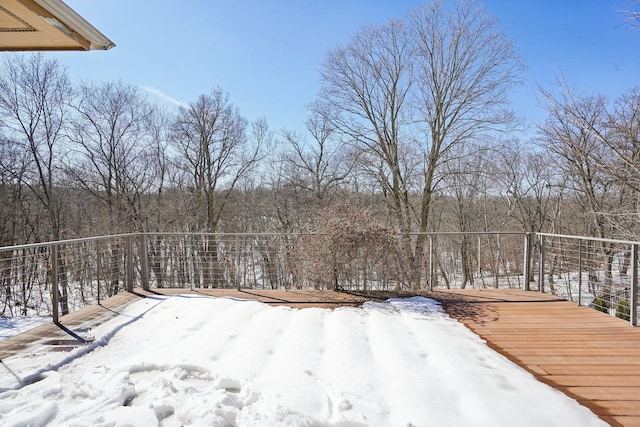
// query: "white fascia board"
[[68, 19]]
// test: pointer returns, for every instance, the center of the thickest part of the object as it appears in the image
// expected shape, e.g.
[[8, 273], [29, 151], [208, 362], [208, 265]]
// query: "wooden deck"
[[588, 355]]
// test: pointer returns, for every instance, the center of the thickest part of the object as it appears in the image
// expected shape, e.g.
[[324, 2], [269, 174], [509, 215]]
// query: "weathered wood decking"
[[588, 355]]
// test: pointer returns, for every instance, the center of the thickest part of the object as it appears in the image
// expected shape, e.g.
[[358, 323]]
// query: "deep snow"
[[201, 361]]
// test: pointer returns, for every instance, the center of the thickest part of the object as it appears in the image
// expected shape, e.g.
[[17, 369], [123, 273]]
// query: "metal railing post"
[[479, 265], [527, 262], [541, 265], [579, 271], [431, 275], [129, 265], [633, 309], [54, 285], [144, 262], [98, 270], [236, 262]]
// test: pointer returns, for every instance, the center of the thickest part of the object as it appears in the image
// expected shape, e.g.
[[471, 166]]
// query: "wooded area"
[[411, 132]]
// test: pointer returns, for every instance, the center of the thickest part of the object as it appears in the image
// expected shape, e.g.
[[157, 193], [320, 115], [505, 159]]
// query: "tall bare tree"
[[622, 136], [407, 92], [210, 139], [365, 88], [465, 68], [34, 98], [161, 162], [574, 132], [618, 133], [114, 158], [212, 147], [623, 139], [113, 149]]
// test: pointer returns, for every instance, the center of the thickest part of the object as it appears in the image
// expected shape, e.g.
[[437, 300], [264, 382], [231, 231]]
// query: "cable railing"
[[57, 278], [599, 273]]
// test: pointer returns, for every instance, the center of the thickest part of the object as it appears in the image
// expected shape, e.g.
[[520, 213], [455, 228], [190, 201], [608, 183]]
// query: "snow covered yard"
[[191, 360]]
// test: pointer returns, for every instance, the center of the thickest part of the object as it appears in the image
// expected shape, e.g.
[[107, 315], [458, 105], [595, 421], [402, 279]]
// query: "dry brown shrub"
[[347, 248]]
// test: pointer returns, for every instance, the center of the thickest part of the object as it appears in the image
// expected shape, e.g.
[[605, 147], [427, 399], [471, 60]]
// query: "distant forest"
[[411, 132]]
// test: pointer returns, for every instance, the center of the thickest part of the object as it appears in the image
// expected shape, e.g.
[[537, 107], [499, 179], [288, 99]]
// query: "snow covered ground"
[[200, 361]]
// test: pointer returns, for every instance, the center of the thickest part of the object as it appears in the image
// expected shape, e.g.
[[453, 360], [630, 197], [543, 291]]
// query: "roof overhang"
[[46, 25]]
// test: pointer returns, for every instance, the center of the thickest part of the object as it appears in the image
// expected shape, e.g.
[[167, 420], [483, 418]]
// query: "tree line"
[[411, 132]]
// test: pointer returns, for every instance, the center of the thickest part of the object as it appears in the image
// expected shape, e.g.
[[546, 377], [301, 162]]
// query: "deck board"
[[590, 356]]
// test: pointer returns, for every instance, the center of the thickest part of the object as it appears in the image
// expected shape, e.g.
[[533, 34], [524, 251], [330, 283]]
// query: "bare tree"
[[318, 167], [13, 217], [463, 183], [365, 88], [406, 93], [211, 143], [34, 97], [210, 139], [574, 132], [465, 67], [114, 158], [113, 150], [160, 160], [623, 138], [531, 185], [613, 153]]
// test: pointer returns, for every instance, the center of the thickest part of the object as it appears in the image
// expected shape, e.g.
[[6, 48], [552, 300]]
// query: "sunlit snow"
[[201, 361]]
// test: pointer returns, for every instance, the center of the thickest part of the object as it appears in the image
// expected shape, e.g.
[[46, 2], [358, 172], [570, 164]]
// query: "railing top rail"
[[458, 233], [595, 239], [58, 242], [248, 234], [428, 233], [243, 234]]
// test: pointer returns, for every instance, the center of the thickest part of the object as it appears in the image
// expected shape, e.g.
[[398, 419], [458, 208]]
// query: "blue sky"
[[267, 54]]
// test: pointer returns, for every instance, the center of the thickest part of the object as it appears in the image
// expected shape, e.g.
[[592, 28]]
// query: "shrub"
[[623, 311], [348, 248], [601, 304]]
